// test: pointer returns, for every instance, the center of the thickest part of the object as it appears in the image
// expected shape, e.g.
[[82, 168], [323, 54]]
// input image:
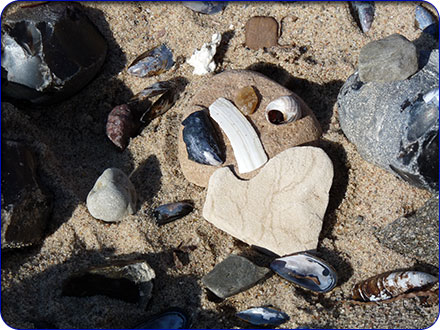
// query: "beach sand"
[[72, 149]]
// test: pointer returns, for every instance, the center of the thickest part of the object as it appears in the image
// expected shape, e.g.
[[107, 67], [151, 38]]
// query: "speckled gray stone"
[[416, 235], [233, 275], [112, 197], [389, 59], [392, 125]]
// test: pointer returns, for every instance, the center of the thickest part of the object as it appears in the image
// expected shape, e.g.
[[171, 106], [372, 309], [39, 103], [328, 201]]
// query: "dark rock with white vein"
[[202, 142], [395, 124]]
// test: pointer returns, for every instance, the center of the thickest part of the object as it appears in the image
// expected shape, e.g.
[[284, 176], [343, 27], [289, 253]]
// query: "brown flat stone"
[[261, 31], [275, 138]]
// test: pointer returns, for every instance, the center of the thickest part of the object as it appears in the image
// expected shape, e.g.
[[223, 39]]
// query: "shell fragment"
[[245, 142]]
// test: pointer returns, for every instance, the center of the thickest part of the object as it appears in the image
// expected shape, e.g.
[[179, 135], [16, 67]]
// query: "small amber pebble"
[[246, 100]]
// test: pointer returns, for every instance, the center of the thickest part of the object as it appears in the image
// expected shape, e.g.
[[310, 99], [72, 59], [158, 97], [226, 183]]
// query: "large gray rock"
[[389, 59], [415, 235], [233, 275], [395, 124], [26, 205]]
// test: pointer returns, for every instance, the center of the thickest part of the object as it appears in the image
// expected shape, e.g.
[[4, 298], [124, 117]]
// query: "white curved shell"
[[283, 110]]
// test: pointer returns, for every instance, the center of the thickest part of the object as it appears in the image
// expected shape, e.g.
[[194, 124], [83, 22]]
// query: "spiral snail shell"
[[283, 110]]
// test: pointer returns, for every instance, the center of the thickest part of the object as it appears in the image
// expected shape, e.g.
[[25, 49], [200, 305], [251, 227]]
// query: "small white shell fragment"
[[203, 60], [283, 110], [112, 197], [245, 142]]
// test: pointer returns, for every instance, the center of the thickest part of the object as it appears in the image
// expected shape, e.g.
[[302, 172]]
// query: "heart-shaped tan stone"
[[281, 209]]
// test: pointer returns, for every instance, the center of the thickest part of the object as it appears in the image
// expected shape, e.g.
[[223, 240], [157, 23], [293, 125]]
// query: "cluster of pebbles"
[[250, 141]]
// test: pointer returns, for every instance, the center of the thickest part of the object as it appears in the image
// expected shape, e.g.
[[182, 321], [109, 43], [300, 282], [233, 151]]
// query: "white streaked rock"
[[248, 150]]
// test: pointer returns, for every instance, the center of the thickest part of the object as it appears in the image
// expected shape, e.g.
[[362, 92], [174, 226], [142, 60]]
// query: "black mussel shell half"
[[202, 142], [173, 318], [307, 271], [172, 211], [205, 7]]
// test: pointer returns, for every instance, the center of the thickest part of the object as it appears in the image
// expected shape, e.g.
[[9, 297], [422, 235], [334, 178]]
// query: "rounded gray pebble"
[[112, 197]]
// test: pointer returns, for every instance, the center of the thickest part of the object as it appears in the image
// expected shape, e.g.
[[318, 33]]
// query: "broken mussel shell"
[[390, 286], [127, 120], [122, 124], [283, 110], [49, 52], [307, 271], [363, 13], [172, 211], [263, 316], [153, 62], [172, 318], [202, 141], [127, 280]]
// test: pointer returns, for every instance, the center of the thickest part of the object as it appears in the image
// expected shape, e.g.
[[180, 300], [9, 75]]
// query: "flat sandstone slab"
[[275, 138], [281, 209]]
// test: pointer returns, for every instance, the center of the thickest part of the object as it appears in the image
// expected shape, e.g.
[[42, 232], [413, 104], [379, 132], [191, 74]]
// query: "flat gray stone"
[[389, 59], [112, 197], [233, 275], [393, 125], [416, 235], [26, 205]]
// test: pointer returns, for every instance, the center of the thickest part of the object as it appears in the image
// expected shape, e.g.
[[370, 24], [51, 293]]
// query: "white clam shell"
[[248, 150], [283, 110]]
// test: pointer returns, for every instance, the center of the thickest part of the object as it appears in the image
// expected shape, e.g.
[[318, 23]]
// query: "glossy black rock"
[[172, 318], [49, 52], [172, 211], [202, 142]]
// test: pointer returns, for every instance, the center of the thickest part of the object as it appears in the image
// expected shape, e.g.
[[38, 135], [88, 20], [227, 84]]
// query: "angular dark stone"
[[172, 318], [172, 211], [26, 205], [202, 142], [233, 275], [49, 52], [127, 280], [395, 125], [416, 235], [389, 59], [205, 7]]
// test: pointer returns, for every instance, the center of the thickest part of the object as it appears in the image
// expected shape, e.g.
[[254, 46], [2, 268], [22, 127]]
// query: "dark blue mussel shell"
[[172, 211], [173, 318], [205, 7], [263, 316], [202, 143]]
